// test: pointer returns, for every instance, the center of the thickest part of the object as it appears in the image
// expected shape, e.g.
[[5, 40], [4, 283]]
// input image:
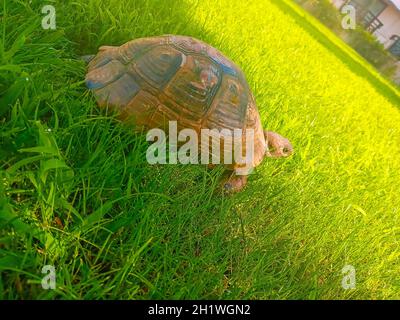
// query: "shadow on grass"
[[390, 93], [113, 22]]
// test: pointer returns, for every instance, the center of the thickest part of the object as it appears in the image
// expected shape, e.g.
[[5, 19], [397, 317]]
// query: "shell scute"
[[194, 85], [159, 65]]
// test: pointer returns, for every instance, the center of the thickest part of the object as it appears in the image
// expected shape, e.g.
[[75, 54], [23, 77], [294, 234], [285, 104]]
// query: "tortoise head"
[[277, 146]]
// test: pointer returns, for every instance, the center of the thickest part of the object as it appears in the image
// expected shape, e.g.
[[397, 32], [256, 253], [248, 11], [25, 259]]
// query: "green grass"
[[76, 191]]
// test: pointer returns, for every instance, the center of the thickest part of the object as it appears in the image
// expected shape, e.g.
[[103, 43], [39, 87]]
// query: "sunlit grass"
[[77, 193]]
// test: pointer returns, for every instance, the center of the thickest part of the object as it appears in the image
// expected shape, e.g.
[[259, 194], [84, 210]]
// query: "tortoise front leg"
[[234, 183], [230, 182]]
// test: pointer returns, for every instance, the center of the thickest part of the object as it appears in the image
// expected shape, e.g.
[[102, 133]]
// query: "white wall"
[[338, 3], [390, 18]]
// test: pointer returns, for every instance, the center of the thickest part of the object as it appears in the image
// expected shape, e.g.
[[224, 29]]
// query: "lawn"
[[77, 193]]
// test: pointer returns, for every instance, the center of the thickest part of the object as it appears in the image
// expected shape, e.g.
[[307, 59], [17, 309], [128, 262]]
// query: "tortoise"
[[178, 78]]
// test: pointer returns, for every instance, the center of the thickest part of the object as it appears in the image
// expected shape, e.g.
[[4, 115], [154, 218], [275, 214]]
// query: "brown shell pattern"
[[155, 80]]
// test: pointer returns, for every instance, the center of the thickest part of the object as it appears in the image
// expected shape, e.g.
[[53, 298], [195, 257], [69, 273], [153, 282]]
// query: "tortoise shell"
[[151, 81]]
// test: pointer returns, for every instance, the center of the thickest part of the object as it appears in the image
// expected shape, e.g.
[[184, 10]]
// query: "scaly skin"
[[277, 147]]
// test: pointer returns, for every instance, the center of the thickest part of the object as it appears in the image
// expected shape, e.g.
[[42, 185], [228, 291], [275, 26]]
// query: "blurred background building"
[[377, 33], [381, 18]]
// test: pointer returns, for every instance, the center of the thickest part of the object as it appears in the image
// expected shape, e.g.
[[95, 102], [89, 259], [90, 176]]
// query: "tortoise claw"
[[235, 184], [227, 186]]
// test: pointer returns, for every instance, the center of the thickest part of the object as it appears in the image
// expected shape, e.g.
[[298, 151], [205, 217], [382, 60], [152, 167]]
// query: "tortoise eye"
[[286, 150]]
